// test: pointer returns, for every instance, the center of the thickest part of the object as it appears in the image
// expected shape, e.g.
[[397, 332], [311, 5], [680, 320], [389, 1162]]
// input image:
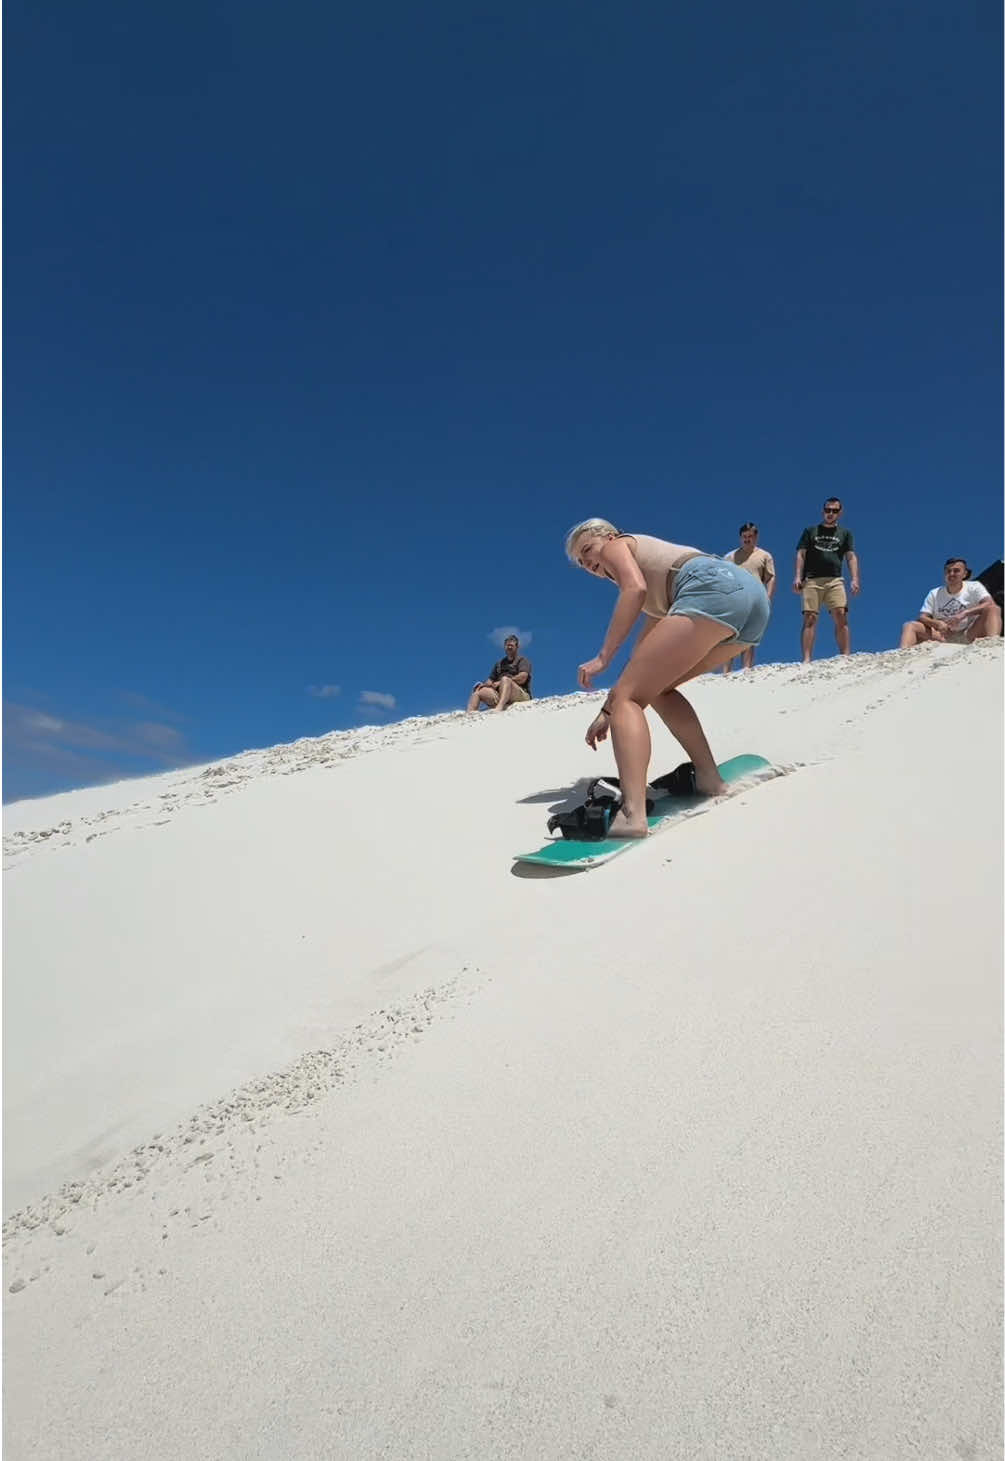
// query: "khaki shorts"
[[827, 593], [517, 694]]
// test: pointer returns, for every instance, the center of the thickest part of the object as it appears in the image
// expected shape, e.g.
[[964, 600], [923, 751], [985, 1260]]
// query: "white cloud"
[[158, 737], [145, 706], [40, 749], [499, 636], [45, 724], [378, 698], [324, 692]]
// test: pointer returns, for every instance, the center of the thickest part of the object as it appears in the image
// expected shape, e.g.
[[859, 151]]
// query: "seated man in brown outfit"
[[508, 681]]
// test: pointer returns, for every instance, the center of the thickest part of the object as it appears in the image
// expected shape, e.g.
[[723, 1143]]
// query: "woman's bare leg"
[[677, 649], [679, 717], [718, 656]]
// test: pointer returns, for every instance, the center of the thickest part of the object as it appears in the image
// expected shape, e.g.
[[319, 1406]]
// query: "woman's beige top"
[[659, 561]]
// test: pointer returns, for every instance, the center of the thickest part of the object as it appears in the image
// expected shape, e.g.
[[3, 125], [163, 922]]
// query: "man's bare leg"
[[809, 635], [484, 695], [914, 633], [986, 623], [746, 661], [505, 693], [842, 631]]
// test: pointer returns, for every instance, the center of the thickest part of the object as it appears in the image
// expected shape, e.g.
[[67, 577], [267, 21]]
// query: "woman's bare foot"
[[622, 826], [710, 784]]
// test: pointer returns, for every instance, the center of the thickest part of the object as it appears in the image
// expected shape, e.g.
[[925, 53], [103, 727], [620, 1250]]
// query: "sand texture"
[[329, 1136]]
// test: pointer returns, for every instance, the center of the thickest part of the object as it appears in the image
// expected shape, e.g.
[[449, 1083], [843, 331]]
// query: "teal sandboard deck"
[[575, 856]]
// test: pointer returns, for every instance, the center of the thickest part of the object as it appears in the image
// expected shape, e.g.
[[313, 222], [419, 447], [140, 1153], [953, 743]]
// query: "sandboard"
[[573, 856]]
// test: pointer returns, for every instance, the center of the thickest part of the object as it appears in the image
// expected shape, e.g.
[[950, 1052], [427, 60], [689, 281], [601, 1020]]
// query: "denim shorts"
[[711, 588]]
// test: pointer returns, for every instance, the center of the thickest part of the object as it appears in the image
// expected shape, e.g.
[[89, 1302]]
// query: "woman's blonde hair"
[[597, 527]]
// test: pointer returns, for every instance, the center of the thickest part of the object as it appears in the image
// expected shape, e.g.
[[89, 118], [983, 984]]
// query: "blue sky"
[[324, 323]]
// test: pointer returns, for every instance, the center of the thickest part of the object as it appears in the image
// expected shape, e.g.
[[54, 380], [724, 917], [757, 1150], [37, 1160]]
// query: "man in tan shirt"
[[760, 563]]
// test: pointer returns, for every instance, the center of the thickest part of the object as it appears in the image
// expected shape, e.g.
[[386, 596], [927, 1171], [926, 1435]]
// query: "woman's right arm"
[[620, 562]]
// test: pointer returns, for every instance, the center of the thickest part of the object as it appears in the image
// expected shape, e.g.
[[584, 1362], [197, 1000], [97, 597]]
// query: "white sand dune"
[[329, 1137]]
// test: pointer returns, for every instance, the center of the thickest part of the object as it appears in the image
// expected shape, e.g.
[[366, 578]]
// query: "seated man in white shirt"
[[957, 614]]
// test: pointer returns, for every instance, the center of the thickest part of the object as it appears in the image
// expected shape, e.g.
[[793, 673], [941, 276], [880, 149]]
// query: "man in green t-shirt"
[[820, 558]]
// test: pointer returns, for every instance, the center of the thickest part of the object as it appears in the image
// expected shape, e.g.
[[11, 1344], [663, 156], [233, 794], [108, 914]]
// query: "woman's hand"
[[599, 730], [592, 667]]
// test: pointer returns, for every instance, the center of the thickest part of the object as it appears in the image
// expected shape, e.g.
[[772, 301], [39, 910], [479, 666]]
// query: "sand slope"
[[378, 1150]]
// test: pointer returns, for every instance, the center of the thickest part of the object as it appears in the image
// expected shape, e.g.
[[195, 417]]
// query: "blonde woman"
[[700, 612]]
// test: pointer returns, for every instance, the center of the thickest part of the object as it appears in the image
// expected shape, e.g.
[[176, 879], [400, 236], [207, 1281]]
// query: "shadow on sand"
[[561, 798], [539, 871], [557, 799]]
